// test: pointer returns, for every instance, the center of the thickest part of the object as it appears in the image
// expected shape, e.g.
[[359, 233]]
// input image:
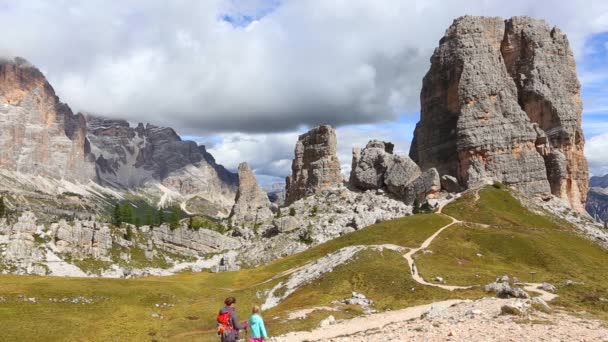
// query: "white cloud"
[[596, 151], [299, 63]]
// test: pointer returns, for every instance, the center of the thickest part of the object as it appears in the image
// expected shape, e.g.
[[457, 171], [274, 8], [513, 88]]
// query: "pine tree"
[[148, 221], [126, 213], [117, 217], [174, 219], [416, 206], [161, 216], [129, 233], [2, 207], [190, 222]]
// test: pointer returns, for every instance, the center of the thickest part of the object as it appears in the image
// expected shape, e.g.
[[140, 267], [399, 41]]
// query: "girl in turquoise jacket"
[[256, 324]]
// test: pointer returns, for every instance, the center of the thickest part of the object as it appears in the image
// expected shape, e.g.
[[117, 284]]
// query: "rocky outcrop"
[[599, 182], [132, 157], [502, 101], [40, 135], [597, 204], [316, 166], [597, 198], [188, 242], [82, 239], [252, 204], [376, 167]]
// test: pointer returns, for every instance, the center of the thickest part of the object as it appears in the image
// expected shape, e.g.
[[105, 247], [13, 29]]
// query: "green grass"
[[498, 208], [124, 307], [518, 243]]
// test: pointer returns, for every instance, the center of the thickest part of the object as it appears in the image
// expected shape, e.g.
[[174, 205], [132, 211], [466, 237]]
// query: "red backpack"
[[223, 323]]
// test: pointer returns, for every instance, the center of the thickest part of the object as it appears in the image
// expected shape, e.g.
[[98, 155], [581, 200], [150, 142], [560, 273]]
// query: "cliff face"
[[252, 203], [597, 198], [131, 157], [502, 101], [39, 134], [316, 166]]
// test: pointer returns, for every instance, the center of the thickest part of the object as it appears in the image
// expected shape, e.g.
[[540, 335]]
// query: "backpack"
[[223, 323]]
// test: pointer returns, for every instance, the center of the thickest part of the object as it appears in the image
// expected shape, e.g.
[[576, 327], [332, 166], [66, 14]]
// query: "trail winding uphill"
[[365, 328]]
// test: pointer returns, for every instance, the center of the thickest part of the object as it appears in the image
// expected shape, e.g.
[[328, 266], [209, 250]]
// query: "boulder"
[[370, 166], [450, 184], [425, 186]]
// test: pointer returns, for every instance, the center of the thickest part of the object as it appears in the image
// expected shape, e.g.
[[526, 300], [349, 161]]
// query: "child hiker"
[[256, 324]]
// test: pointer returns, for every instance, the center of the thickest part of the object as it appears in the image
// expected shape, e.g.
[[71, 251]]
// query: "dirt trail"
[[410, 254], [544, 295], [364, 323], [377, 321], [414, 270]]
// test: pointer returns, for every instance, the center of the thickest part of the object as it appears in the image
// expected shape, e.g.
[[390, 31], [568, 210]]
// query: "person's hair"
[[229, 301], [255, 309]]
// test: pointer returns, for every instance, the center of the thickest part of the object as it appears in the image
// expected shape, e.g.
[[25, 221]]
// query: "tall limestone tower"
[[502, 101]]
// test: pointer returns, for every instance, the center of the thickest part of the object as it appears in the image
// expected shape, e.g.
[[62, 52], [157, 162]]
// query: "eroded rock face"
[[502, 101], [82, 239], [40, 135], [252, 204], [597, 204], [183, 241], [316, 166], [599, 182], [131, 157], [376, 166]]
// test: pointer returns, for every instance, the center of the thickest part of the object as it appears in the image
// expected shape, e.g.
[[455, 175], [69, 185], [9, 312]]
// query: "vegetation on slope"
[[509, 239], [512, 240], [123, 309]]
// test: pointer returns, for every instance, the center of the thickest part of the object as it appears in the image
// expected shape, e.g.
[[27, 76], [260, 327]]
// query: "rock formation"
[[597, 199], [316, 166], [252, 204], [40, 135], [502, 101], [376, 167], [599, 182], [131, 157], [597, 204]]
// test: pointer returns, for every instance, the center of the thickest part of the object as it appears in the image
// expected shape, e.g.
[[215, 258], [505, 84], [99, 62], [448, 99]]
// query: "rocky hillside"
[[599, 182], [40, 134], [426, 275], [502, 101], [597, 199], [42, 137], [143, 156]]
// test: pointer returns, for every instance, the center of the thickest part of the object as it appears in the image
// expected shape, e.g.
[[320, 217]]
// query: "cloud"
[[213, 66], [596, 151]]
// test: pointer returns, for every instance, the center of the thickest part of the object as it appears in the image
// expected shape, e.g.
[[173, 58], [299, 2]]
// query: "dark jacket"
[[233, 335]]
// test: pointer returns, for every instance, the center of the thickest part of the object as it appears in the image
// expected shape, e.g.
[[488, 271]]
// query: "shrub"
[[292, 211], [498, 185]]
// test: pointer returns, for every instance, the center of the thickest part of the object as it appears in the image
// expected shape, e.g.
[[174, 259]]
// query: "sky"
[[245, 78]]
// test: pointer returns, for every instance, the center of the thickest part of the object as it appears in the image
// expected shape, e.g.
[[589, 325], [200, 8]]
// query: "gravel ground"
[[467, 321]]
